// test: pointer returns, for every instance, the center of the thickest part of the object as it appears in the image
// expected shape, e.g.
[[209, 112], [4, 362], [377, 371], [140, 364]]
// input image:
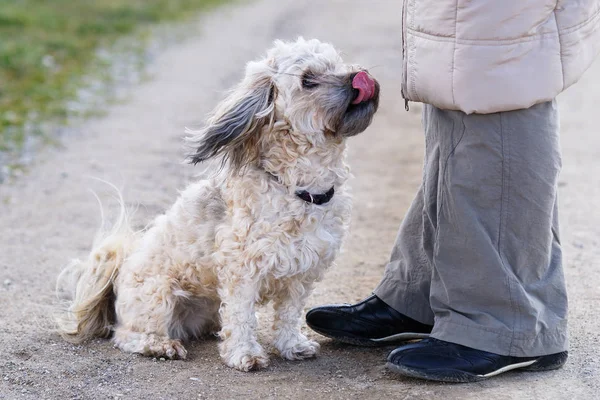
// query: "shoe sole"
[[343, 337], [547, 363]]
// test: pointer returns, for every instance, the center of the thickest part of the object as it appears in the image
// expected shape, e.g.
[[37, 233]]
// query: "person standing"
[[476, 270]]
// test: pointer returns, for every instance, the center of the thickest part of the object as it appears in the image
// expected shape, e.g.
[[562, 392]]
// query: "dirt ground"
[[49, 216]]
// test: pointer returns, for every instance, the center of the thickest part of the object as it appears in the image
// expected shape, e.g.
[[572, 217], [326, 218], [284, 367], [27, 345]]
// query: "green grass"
[[46, 46]]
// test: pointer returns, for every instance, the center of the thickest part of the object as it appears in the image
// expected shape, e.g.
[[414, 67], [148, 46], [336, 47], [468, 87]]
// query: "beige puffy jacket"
[[484, 56]]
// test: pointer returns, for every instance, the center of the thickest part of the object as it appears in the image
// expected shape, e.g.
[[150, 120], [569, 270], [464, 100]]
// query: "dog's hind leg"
[[288, 306], [144, 308], [148, 344]]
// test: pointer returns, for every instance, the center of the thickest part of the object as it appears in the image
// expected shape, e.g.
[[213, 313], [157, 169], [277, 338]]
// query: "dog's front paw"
[[301, 350], [248, 362], [244, 357]]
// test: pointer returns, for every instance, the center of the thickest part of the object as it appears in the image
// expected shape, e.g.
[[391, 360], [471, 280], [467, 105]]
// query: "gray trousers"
[[478, 254]]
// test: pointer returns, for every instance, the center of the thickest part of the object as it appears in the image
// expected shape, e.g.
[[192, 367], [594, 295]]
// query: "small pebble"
[[7, 282], [162, 359]]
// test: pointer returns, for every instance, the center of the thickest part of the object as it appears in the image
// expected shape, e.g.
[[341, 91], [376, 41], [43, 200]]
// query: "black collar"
[[317, 199]]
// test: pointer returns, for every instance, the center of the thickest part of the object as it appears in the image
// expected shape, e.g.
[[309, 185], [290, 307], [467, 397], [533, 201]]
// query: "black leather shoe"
[[368, 323], [436, 360]]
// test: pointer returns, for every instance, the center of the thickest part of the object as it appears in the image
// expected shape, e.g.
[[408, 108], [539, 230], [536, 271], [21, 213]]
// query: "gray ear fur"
[[233, 129]]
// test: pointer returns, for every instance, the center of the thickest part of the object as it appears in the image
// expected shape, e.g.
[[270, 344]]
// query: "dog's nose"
[[365, 86]]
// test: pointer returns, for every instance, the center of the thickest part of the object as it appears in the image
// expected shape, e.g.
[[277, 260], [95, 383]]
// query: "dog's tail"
[[87, 286]]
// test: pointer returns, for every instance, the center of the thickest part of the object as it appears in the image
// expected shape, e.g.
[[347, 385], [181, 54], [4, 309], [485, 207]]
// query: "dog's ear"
[[235, 124]]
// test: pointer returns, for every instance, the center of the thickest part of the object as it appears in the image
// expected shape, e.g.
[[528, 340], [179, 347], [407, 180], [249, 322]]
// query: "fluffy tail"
[[87, 286]]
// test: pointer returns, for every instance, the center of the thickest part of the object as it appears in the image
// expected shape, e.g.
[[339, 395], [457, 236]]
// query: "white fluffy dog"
[[265, 227]]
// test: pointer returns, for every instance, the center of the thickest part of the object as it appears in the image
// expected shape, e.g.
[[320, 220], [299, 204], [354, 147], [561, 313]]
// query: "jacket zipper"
[[404, 86]]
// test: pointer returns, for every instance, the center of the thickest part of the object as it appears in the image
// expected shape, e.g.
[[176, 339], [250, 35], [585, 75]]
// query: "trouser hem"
[[502, 343]]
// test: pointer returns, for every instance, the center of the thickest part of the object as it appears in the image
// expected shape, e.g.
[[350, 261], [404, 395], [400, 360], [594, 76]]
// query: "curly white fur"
[[242, 237]]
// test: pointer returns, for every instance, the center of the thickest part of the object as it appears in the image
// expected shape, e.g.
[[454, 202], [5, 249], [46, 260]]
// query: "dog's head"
[[305, 87]]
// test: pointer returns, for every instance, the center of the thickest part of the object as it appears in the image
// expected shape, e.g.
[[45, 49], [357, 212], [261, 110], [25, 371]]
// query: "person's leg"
[[497, 283], [403, 293]]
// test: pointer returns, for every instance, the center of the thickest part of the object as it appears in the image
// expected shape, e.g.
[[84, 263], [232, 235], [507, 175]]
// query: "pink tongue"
[[365, 86]]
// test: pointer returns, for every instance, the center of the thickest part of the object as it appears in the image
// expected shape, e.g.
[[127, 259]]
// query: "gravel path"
[[49, 216]]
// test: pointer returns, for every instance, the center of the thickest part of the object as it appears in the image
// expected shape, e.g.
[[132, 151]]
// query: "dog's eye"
[[309, 81]]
